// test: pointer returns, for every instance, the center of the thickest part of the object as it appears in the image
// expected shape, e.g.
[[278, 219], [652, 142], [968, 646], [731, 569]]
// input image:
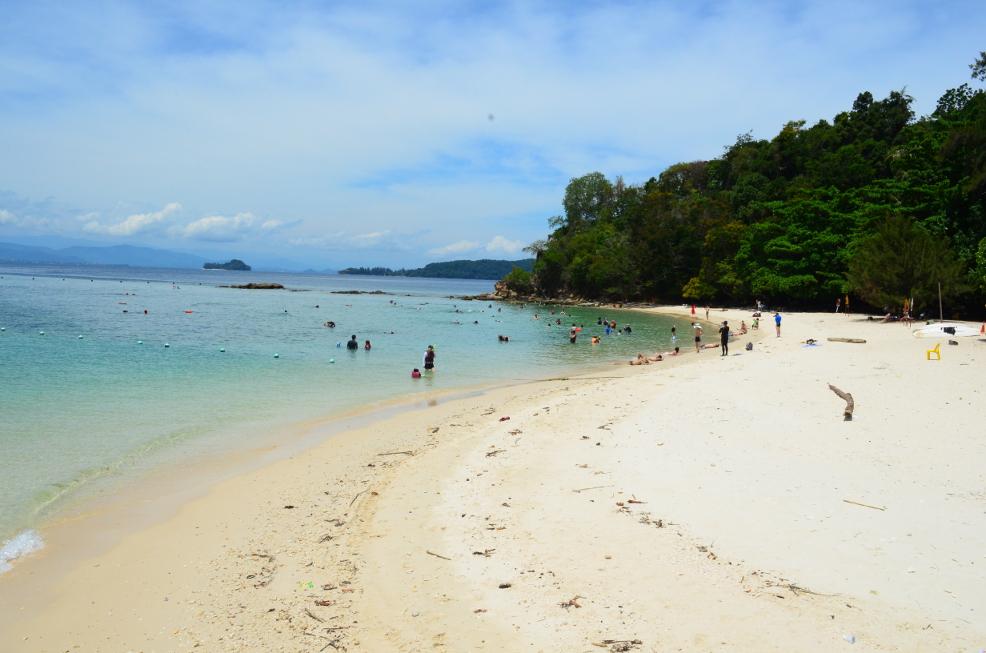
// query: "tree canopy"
[[784, 219]]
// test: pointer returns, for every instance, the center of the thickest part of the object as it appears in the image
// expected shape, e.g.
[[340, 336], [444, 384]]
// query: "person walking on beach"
[[845, 305], [698, 337], [777, 323], [430, 358], [724, 338], [838, 304]]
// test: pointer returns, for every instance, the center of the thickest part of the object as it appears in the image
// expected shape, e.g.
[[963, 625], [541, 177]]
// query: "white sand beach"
[[697, 504]]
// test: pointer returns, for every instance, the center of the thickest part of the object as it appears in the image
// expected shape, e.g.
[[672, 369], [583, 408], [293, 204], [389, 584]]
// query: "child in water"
[[415, 373]]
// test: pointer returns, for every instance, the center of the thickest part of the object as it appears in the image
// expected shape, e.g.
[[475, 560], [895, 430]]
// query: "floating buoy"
[[140, 342], [3, 328], [80, 337], [332, 360], [41, 333], [277, 355], [339, 344], [222, 350], [188, 311], [166, 345]]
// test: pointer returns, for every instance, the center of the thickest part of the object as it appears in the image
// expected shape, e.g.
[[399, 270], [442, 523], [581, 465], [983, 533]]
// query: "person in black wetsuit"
[[430, 357], [352, 345], [724, 338]]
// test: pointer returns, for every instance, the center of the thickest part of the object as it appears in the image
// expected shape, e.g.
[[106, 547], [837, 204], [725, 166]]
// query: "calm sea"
[[94, 389]]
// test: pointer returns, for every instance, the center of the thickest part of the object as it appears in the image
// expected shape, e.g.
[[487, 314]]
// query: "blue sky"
[[333, 134]]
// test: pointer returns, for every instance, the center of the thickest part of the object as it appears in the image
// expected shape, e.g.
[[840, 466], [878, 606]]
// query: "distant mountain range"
[[461, 269], [146, 257]]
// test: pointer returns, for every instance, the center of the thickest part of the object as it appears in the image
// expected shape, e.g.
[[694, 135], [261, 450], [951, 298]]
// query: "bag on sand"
[[749, 346]]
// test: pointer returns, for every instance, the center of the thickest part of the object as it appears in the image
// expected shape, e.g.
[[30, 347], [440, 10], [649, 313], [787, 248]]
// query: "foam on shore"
[[19, 546]]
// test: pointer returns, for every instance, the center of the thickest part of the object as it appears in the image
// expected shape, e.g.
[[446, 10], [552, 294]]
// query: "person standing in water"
[[698, 337], [430, 358], [573, 334], [724, 338], [352, 345]]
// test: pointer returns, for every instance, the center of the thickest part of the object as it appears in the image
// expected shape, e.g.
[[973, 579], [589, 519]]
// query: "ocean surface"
[[94, 391]]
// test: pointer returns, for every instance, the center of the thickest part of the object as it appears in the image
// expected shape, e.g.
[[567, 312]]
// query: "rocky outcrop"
[[258, 286]]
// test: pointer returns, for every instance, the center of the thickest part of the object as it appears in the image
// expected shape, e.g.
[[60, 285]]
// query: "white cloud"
[[271, 225], [133, 224], [219, 228], [455, 248], [6, 217], [501, 245]]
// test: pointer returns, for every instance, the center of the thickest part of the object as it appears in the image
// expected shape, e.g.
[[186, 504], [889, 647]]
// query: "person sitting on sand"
[[640, 360], [658, 357], [742, 329], [756, 324], [711, 345]]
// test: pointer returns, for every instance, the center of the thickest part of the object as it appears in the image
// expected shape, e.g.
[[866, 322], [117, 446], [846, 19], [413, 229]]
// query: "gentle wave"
[[18, 547]]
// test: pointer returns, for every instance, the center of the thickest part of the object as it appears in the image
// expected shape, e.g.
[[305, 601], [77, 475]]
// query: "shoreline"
[[231, 568]]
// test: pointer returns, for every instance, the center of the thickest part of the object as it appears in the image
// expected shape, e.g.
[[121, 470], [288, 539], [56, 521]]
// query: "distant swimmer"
[[415, 373], [352, 345], [595, 340], [330, 324], [430, 357], [503, 338], [367, 346], [640, 360]]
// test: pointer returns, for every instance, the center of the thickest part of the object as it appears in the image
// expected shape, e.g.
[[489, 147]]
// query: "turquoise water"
[[74, 410]]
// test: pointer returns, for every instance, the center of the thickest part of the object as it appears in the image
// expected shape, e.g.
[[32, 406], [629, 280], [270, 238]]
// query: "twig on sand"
[[617, 645], [572, 602], [850, 404], [357, 496], [432, 553], [594, 487], [865, 505], [490, 454], [486, 553], [395, 453], [314, 616]]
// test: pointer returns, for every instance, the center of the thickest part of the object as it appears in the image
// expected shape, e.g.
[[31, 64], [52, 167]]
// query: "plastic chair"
[[936, 352]]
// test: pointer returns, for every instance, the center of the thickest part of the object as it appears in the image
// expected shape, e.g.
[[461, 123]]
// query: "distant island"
[[462, 269], [232, 264]]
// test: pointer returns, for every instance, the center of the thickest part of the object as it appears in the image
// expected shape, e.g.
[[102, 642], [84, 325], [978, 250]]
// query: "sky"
[[322, 135]]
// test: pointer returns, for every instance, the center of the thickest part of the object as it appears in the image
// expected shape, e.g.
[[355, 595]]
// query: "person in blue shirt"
[[777, 323]]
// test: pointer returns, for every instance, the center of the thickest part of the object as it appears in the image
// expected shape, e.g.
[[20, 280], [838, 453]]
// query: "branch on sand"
[[850, 404]]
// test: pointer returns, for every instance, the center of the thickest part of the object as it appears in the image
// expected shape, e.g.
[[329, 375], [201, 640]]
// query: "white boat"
[[954, 330]]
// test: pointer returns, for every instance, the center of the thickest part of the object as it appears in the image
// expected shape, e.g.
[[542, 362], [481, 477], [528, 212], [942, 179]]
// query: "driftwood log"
[[858, 341], [850, 404]]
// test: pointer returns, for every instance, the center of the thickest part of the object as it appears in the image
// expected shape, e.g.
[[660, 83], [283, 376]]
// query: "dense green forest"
[[462, 269], [876, 203]]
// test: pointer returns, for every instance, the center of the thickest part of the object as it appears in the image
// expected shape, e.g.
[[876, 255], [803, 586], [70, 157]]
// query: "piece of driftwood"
[[865, 505], [858, 341], [432, 553], [850, 404], [395, 453]]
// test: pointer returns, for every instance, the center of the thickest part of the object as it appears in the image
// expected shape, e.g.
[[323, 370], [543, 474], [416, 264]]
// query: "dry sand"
[[718, 505]]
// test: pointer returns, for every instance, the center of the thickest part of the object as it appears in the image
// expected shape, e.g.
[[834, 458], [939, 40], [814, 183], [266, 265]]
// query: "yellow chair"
[[936, 352]]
